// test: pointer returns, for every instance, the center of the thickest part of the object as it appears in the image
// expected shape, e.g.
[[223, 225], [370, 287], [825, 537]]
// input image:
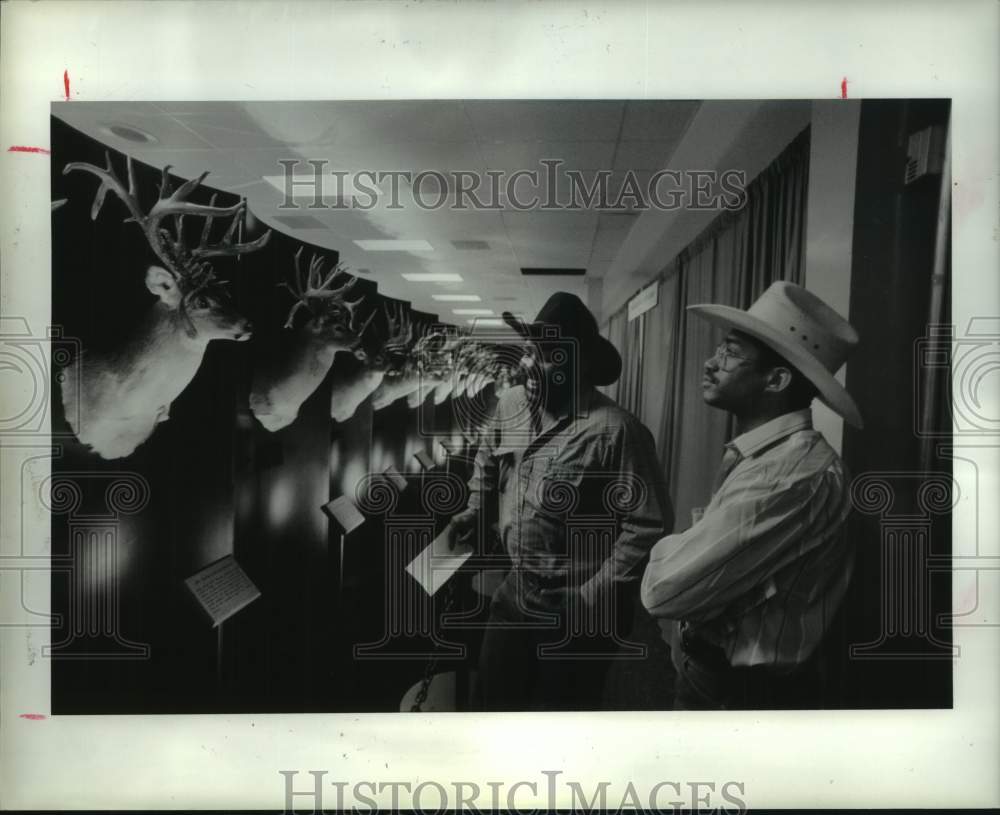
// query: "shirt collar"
[[583, 402], [753, 441]]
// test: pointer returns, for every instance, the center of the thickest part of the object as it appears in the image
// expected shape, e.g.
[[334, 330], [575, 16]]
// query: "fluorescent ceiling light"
[[457, 298], [432, 277], [470, 312], [395, 246], [488, 323]]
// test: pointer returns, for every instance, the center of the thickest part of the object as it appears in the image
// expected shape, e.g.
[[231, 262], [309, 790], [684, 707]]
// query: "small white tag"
[[436, 564]]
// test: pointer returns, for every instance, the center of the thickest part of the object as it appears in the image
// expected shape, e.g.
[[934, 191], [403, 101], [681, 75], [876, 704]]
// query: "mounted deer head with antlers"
[[445, 362], [433, 364], [282, 382], [414, 376], [481, 364], [388, 359], [117, 398]]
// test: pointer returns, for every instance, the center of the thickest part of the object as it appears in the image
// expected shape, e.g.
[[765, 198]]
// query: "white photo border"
[[548, 50]]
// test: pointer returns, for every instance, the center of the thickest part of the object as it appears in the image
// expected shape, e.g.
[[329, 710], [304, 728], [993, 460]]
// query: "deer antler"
[[311, 289], [400, 328], [430, 341], [428, 352], [188, 267]]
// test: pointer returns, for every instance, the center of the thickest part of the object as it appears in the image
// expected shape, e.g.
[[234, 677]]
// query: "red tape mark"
[[32, 716], [843, 88], [17, 148], [66, 83]]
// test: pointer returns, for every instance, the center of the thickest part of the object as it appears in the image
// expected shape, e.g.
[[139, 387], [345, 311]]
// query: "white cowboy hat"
[[804, 330]]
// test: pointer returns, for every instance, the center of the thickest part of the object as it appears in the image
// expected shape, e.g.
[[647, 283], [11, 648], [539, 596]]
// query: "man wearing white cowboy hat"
[[746, 594], [580, 499]]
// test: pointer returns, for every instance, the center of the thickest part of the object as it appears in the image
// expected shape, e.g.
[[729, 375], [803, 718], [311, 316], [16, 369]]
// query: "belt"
[[705, 652]]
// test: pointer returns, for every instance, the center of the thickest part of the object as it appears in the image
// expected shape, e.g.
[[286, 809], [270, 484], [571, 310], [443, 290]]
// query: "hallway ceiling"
[[241, 143]]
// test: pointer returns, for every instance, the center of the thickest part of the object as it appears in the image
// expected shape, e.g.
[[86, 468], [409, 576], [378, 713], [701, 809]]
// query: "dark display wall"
[[212, 482]]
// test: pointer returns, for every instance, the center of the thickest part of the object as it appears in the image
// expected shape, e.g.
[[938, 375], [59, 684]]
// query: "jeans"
[[707, 682], [540, 653]]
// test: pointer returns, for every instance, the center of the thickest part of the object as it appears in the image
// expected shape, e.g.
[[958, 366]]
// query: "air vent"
[[300, 221], [505, 299], [552, 271], [471, 246], [363, 271]]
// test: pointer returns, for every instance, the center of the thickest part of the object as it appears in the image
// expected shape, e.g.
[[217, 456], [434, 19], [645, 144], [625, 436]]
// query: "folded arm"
[[751, 529]]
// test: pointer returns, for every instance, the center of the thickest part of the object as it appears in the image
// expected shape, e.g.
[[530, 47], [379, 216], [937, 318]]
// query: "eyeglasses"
[[723, 355]]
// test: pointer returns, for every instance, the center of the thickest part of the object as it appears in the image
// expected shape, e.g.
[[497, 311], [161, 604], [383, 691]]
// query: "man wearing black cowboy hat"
[[747, 593], [580, 499]]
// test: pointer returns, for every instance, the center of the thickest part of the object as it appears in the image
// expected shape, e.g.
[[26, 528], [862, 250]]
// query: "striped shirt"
[[582, 499], [764, 569]]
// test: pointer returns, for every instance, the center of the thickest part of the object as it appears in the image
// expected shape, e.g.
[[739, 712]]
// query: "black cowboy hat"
[[566, 317]]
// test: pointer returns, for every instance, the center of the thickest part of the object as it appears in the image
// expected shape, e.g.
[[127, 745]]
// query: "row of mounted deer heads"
[[114, 400], [407, 361]]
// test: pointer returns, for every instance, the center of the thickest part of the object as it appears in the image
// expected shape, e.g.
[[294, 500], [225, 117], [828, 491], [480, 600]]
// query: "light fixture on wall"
[[457, 298], [473, 312]]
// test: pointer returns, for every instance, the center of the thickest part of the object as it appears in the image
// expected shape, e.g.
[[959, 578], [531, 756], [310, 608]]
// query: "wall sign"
[[644, 301]]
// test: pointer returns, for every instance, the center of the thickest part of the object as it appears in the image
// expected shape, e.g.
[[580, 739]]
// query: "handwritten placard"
[[222, 589]]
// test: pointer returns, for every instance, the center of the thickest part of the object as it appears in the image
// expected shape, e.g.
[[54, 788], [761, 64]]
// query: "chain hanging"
[[451, 594]]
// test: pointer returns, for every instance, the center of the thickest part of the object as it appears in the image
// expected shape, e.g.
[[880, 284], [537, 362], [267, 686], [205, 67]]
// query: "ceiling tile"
[[568, 120], [552, 256], [377, 157], [356, 123], [524, 155], [657, 120], [643, 155], [95, 120], [191, 107], [598, 267], [225, 172], [240, 142], [567, 225]]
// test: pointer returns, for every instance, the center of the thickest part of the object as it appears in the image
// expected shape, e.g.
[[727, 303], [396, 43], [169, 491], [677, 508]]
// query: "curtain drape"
[[615, 332], [732, 262], [630, 385]]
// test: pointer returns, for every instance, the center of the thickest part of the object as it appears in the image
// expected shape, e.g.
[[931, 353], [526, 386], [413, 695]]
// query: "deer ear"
[[161, 283]]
